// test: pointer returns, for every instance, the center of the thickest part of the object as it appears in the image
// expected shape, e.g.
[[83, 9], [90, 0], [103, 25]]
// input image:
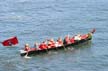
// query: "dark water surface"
[[36, 20]]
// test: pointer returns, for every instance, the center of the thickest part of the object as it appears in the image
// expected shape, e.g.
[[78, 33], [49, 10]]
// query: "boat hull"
[[36, 52]]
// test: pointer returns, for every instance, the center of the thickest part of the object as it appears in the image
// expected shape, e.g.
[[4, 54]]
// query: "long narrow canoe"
[[35, 52]]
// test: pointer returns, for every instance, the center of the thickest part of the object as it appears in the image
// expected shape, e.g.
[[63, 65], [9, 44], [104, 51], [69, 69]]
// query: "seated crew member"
[[77, 37], [43, 45], [51, 43], [36, 45], [59, 42], [72, 40], [27, 47], [67, 40]]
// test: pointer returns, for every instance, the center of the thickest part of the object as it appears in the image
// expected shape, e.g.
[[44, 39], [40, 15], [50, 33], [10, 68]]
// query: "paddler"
[[27, 47], [51, 43], [60, 42], [43, 45], [36, 45], [67, 40], [72, 40], [77, 37]]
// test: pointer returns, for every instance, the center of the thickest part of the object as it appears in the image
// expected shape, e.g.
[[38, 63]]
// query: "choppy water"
[[36, 20]]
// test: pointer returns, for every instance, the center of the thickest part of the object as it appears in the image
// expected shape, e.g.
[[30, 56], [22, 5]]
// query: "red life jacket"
[[60, 42], [27, 49], [67, 40], [51, 44], [72, 40], [43, 46]]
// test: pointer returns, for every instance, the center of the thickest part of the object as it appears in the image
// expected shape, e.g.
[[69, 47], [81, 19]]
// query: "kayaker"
[[27, 47]]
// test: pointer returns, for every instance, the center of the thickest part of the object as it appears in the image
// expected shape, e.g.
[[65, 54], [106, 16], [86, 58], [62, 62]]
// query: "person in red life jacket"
[[67, 40], [43, 46], [72, 40], [60, 42], [27, 47], [51, 43]]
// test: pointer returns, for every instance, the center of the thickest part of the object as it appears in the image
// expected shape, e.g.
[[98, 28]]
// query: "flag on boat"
[[11, 41]]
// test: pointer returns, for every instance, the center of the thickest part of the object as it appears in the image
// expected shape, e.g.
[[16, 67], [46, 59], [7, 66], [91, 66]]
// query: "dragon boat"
[[33, 51]]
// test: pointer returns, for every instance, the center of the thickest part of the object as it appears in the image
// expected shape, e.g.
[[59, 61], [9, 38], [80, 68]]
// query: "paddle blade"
[[11, 41], [27, 57]]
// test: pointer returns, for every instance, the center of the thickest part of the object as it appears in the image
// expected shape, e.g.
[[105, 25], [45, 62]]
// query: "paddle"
[[26, 56], [23, 51], [46, 50], [64, 47]]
